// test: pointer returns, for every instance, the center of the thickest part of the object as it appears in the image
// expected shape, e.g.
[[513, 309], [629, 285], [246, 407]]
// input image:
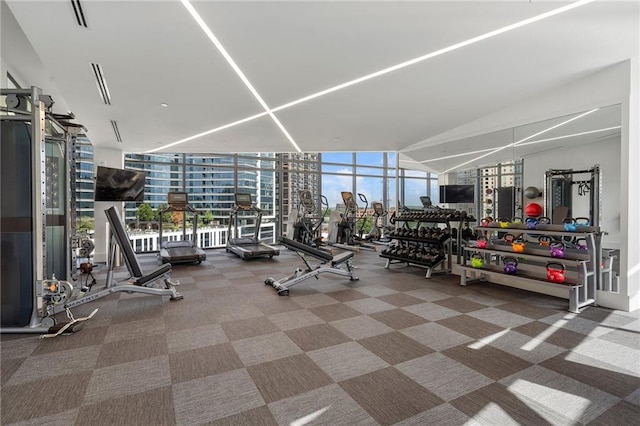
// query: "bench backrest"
[[122, 238]]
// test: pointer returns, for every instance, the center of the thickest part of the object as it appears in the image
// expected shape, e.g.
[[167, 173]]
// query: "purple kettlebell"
[[531, 222], [556, 249], [510, 265]]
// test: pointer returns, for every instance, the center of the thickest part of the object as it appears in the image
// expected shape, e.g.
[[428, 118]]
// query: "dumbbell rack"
[[410, 244], [582, 266]]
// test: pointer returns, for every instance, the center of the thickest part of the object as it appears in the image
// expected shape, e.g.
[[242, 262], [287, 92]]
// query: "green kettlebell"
[[477, 261]]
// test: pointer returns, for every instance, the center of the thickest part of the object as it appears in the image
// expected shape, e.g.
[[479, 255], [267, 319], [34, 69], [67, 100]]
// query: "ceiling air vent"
[[102, 84], [114, 125], [77, 10]]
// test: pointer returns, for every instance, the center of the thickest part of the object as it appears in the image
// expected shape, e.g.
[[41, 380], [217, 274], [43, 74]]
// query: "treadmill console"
[[306, 200], [177, 199], [349, 202], [243, 201]]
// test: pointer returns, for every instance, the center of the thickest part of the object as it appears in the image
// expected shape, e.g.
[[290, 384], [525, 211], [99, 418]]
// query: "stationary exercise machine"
[[247, 247], [328, 263], [343, 227], [184, 250], [306, 224], [572, 193], [379, 234], [37, 166]]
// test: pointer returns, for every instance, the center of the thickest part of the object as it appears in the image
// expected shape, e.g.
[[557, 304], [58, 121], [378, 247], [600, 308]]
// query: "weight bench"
[[329, 263], [138, 282]]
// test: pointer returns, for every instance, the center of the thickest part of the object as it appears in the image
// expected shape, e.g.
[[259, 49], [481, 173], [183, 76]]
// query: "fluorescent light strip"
[[194, 13], [208, 132], [521, 140], [384, 71], [522, 144]]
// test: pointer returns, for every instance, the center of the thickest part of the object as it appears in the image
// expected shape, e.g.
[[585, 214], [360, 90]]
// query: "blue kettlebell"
[[569, 224], [510, 265], [531, 222]]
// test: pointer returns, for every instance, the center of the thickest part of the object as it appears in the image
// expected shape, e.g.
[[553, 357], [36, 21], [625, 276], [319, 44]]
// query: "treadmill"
[[184, 250], [247, 247]]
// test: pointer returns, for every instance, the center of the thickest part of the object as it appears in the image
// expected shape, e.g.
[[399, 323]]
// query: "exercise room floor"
[[392, 348]]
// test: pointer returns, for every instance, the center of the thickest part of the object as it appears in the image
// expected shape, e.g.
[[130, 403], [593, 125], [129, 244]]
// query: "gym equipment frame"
[[329, 264], [247, 248], [181, 251]]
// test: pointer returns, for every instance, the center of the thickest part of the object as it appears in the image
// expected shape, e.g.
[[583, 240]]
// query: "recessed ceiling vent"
[[102, 84], [77, 10], [114, 125]]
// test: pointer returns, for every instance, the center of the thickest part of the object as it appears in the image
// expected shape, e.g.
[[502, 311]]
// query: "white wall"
[[108, 158]]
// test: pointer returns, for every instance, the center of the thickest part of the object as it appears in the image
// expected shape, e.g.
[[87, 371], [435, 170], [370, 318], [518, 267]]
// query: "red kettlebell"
[[481, 242], [509, 238], [555, 272], [556, 249], [485, 221], [510, 265]]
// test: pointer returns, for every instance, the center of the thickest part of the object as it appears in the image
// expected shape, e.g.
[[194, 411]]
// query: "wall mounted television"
[[119, 185], [457, 193]]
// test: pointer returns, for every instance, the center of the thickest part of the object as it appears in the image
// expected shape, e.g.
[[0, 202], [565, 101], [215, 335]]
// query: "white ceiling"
[[153, 52]]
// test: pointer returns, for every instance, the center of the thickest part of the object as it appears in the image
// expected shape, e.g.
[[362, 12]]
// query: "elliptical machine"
[[379, 232], [345, 233], [306, 228]]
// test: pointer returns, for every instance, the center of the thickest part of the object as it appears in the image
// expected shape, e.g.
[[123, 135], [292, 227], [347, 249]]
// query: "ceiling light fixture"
[[456, 155], [521, 140], [203, 25], [164, 104], [384, 71]]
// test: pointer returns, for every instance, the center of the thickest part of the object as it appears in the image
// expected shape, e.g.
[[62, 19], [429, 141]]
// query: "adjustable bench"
[[138, 282], [329, 263]]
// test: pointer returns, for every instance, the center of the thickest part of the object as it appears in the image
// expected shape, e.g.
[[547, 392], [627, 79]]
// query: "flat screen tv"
[[119, 185], [457, 194]]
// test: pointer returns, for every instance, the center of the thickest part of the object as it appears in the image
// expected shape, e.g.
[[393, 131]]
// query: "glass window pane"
[[415, 173], [370, 159], [413, 190], [337, 157], [332, 185], [347, 170], [369, 171]]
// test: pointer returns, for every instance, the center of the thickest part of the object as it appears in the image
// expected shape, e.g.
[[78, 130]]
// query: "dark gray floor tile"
[[398, 318], [487, 360], [334, 312], [470, 326], [623, 413], [460, 304], [122, 351], [400, 299], [260, 416], [317, 337], [528, 310], [202, 362], [250, 327], [395, 347], [556, 336]]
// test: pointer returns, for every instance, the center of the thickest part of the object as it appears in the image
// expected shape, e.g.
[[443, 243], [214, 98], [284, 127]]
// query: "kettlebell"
[[509, 238], [556, 249], [510, 265], [485, 221], [481, 242], [531, 222], [518, 246], [477, 261], [555, 272], [581, 244], [544, 220], [569, 224], [504, 222], [516, 219], [582, 221], [544, 240]]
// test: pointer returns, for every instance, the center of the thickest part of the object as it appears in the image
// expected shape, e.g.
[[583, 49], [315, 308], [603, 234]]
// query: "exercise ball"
[[533, 210], [531, 192]]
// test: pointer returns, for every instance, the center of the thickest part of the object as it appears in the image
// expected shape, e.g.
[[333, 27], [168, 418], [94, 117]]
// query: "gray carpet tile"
[[197, 337], [234, 312], [329, 405], [489, 361], [276, 306], [595, 373], [202, 362], [574, 322], [347, 360], [559, 393], [287, 377], [370, 305], [634, 397], [428, 294], [360, 327], [347, 295], [499, 317], [128, 379], [50, 365], [623, 413], [60, 419], [394, 347], [444, 414], [459, 304], [404, 282], [317, 336], [620, 356], [496, 405], [485, 299], [470, 326], [389, 396], [260, 416], [525, 347], [398, 318], [334, 312], [268, 347], [294, 319], [135, 329], [628, 338], [554, 335], [214, 397], [18, 345], [436, 336], [95, 337], [443, 376], [431, 311], [8, 367], [527, 310], [313, 300], [43, 397], [137, 308], [606, 317], [250, 327], [400, 299], [376, 290], [122, 351], [153, 407]]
